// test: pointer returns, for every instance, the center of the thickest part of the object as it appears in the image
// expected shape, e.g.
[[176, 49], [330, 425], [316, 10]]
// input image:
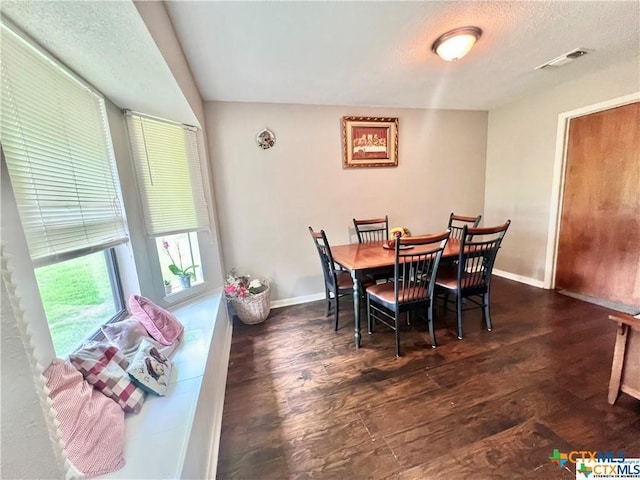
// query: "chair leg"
[[337, 312], [397, 324], [369, 321], [432, 332], [485, 311], [459, 312], [327, 306]]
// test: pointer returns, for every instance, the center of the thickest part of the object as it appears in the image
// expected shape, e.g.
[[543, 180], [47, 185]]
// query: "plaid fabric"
[[104, 367]]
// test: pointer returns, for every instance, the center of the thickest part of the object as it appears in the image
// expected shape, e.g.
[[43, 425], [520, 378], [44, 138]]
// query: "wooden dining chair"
[[416, 265], [372, 230], [470, 276], [337, 283], [456, 222]]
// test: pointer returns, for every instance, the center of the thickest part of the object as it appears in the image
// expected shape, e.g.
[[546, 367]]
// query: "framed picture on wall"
[[370, 142]]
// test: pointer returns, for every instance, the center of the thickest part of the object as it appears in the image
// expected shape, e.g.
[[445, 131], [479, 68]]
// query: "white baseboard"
[[218, 364], [285, 302], [519, 278]]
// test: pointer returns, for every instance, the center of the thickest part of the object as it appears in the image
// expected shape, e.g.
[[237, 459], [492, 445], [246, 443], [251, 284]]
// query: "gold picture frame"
[[370, 142]]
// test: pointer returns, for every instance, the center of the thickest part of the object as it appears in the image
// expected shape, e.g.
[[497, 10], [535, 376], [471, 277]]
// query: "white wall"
[[268, 198], [521, 145], [27, 451], [29, 443]]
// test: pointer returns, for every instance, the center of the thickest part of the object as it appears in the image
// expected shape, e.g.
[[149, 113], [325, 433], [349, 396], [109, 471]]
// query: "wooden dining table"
[[361, 259]]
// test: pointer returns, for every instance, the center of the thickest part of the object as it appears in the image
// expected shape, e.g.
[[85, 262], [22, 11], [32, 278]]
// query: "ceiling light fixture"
[[455, 44]]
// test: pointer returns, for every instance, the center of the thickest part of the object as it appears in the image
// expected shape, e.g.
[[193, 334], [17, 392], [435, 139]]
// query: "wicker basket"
[[253, 309]]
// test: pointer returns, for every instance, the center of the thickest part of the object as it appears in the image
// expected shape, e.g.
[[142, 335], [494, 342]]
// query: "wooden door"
[[599, 243]]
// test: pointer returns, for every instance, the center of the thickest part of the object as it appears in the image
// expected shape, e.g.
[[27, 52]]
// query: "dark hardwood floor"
[[302, 402]]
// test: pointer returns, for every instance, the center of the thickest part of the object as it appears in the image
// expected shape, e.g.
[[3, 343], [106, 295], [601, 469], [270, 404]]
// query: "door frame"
[[559, 171]]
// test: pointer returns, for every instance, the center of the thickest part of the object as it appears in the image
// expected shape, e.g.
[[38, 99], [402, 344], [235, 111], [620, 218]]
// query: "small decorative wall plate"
[[266, 139]]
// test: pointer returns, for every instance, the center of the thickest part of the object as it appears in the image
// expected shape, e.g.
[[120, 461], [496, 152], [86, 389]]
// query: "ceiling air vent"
[[563, 59]]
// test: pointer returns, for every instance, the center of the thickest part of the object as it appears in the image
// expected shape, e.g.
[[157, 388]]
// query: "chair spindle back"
[[456, 222], [372, 230], [416, 268], [478, 250], [326, 259]]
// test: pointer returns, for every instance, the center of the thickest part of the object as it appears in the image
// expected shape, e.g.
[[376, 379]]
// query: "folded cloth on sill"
[[104, 367], [150, 369], [161, 324], [90, 424], [129, 333]]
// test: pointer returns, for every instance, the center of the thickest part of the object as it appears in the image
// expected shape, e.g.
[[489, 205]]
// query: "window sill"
[[163, 439], [183, 294]]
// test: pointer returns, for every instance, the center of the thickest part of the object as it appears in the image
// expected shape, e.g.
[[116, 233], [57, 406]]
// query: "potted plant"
[[184, 274], [249, 297], [167, 287]]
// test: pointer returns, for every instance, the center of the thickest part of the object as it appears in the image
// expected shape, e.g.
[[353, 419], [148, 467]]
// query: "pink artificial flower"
[[165, 244], [242, 293], [230, 289]]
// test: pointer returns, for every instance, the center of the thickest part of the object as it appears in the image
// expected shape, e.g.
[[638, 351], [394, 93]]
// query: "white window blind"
[[169, 176], [57, 147]]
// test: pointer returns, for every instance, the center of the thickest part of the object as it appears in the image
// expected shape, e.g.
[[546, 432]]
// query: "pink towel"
[[91, 425]]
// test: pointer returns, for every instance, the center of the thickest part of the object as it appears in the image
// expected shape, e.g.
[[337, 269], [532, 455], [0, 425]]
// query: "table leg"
[[356, 307], [618, 362]]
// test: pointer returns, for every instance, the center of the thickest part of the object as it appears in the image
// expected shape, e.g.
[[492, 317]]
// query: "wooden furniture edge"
[[626, 323], [625, 318]]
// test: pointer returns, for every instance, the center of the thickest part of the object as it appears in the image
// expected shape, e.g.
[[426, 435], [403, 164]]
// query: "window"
[[58, 153], [181, 250], [78, 296], [169, 177]]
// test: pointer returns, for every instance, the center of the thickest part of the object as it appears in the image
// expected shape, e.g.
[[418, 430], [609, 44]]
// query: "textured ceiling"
[[378, 53], [331, 53], [107, 44]]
